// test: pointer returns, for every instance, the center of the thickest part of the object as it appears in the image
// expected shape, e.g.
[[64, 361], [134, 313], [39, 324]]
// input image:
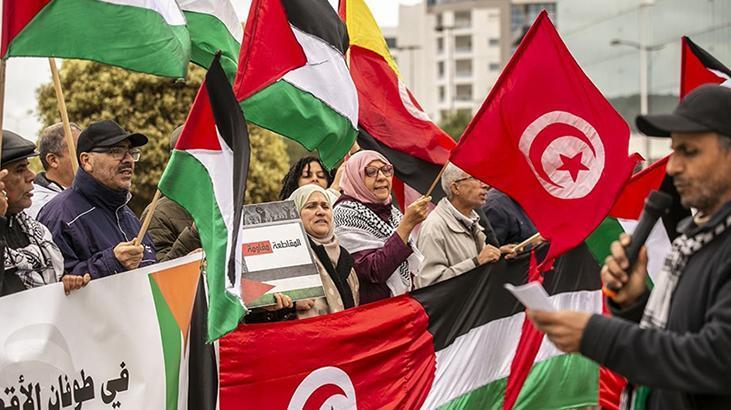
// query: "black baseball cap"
[[106, 133], [16, 147], [705, 109]]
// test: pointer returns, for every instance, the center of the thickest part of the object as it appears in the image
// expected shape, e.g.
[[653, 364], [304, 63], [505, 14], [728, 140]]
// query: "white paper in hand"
[[532, 296]]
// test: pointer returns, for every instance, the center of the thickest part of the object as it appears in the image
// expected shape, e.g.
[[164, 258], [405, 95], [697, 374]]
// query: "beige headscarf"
[[300, 197]]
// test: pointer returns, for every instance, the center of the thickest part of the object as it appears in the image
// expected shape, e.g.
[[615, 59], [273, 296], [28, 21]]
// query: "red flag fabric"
[[548, 138], [261, 63], [699, 67], [631, 201]]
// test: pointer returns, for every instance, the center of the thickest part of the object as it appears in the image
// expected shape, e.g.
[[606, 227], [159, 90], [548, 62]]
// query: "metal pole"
[[644, 67]]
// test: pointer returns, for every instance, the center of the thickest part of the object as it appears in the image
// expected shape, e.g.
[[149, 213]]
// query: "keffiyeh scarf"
[[358, 228], [39, 263]]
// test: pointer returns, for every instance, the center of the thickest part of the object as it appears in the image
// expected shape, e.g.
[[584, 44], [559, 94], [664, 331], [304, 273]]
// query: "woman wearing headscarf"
[[375, 233], [334, 263]]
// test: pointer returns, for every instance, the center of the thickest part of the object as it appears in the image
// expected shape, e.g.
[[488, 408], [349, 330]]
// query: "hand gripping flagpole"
[[148, 218], [64, 114]]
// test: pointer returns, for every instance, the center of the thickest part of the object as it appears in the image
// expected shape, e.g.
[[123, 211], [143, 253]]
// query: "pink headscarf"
[[352, 183]]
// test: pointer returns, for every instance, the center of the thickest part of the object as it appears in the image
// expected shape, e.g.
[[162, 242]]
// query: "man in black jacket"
[[678, 356]]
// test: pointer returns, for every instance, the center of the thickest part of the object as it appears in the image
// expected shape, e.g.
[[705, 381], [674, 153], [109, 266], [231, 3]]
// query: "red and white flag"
[[547, 137]]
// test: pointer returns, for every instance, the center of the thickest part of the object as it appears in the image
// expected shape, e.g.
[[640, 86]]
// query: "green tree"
[[455, 123], [154, 106]]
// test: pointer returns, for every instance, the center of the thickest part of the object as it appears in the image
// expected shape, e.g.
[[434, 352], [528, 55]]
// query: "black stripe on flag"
[[706, 58], [482, 297], [318, 18], [231, 126], [414, 172]]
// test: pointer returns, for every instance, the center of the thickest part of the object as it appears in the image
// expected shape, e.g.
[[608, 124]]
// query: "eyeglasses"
[[463, 179], [118, 153], [386, 170]]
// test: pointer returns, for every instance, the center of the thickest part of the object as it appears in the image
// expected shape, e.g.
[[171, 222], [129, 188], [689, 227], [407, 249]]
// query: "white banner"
[[117, 343]]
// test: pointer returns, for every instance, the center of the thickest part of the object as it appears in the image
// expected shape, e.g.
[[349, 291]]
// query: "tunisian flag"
[[548, 138], [699, 67]]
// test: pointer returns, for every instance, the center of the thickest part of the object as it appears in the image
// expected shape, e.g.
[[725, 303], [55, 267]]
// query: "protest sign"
[[276, 255], [119, 342]]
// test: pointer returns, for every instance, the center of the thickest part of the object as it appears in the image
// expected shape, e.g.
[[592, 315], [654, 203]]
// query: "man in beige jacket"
[[451, 239]]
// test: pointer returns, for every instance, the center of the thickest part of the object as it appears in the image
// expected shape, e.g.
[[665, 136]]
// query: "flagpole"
[[148, 218], [528, 241], [2, 100], [436, 180], [64, 114]]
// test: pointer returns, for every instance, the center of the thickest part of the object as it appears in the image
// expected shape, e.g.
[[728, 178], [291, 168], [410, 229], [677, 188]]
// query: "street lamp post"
[[645, 66]]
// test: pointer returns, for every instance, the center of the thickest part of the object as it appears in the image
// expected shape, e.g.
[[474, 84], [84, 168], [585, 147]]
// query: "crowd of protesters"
[[75, 227], [58, 226]]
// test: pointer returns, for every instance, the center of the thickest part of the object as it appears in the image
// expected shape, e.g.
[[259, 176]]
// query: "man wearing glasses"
[[451, 238], [91, 222]]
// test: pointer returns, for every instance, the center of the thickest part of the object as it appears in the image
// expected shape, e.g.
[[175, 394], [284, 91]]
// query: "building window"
[[463, 43], [440, 69], [494, 67], [440, 45], [463, 92], [391, 42], [442, 94], [462, 19], [440, 20], [463, 68], [493, 42]]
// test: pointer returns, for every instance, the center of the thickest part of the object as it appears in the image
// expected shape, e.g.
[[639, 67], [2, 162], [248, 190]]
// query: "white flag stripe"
[[221, 9], [658, 245], [325, 76], [168, 9]]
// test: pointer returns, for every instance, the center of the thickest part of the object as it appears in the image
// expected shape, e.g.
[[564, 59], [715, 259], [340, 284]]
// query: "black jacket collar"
[[97, 193]]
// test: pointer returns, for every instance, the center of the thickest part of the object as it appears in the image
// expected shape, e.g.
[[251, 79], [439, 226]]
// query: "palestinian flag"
[[292, 76], [212, 155], [213, 26], [174, 285], [146, 36], [391, 120], [449, 345], [699, 67]]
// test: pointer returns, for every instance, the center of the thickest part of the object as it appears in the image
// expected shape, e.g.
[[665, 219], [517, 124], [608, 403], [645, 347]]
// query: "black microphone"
[[657, 204]]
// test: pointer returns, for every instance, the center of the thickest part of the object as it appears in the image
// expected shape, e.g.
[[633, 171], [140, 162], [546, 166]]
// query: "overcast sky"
[[24, 75]]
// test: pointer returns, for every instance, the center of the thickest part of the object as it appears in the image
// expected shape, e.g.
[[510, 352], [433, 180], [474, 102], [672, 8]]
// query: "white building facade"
[[450, 52]]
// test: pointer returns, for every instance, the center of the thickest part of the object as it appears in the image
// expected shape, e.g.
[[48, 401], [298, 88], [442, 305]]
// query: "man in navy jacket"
[[91, 222]]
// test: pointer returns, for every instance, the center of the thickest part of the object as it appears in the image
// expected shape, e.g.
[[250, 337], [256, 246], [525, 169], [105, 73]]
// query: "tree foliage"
[[154, 106], [455, 123]]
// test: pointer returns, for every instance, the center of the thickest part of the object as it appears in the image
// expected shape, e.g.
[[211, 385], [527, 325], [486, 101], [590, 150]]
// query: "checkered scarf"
[[39, 263], [657, 309]]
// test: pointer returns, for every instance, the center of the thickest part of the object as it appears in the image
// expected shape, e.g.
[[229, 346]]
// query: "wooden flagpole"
[[436, 180], [148, 218], [64, 114], [527, 242]]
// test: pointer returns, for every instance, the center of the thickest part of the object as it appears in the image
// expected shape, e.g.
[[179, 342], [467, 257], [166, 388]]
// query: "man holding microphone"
[[679, 356]]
